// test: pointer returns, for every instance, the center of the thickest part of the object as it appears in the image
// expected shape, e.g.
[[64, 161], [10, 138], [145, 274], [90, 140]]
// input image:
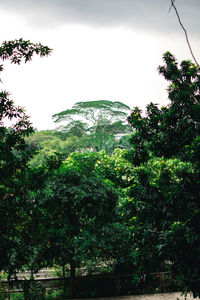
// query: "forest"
[[113, 190]]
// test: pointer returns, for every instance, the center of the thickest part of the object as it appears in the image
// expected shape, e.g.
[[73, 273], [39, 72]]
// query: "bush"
[[34, 290]]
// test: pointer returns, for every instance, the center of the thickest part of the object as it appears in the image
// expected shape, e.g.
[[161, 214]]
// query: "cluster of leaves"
[[20, 50], [168, 131]]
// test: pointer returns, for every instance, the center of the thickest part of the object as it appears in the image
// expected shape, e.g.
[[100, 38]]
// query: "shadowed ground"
[[167, 296]]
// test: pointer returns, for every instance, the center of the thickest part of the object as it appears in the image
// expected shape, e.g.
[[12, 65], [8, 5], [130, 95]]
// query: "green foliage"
[[74, 205], [14, 156], [54, 294], [163, 206], [34, 290], [3, 295], [169, 130], [97, 112], [91, 126], [13, 193], [115, 167], [18, 50], [74, 128], [52, 143], [101, 120], [49, 145], [164, 218]]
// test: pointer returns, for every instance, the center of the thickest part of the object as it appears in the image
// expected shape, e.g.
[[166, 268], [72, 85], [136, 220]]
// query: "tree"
[[100, 119], [98, 115], [55, 143], [51, 144], [14, 155], [48, 144], [163, 208], [75, 206], [163, 213], [76, 213], [170, 130], [118, 238]]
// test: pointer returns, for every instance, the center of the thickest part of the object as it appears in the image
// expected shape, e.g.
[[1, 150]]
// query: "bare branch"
[[171, 6], [186, 35]]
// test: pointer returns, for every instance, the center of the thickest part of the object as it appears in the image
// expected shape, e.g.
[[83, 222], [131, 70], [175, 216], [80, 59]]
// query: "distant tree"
[[107, 117], [56, 143], [51, 144]]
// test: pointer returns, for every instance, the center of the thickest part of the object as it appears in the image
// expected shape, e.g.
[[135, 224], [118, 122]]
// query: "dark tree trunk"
[[26, 290], [117, 286], [64, 282], [72, 278]]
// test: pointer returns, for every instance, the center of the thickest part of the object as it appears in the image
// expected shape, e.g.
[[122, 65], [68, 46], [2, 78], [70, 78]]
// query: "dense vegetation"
[[78, 198]]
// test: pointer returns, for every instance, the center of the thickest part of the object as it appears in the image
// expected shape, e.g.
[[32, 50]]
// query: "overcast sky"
[[102, 49]]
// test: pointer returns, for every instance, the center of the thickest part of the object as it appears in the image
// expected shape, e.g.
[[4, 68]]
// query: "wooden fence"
[[102, 285]]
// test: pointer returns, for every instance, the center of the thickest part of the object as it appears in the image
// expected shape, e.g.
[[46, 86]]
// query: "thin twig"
[[171, 6], [186, 35]]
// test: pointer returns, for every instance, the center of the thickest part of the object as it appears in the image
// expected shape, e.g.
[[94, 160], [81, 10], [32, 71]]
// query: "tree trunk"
[[72, 278], [117, 286], [64, 282], [8, 286], [26, 289]]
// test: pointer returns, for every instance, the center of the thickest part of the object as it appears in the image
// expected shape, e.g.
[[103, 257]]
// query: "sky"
[[102, 50]]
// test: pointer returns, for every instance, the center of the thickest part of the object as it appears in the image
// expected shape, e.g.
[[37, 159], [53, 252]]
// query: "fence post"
[[162, 281], [117, 286]]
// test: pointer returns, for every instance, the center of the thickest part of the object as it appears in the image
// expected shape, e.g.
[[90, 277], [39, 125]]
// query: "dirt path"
[[170, 296]]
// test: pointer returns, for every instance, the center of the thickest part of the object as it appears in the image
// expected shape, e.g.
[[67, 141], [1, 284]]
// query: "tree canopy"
[[74, 207], [90, 126], [95, 116], [169, 131]]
